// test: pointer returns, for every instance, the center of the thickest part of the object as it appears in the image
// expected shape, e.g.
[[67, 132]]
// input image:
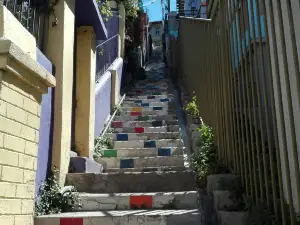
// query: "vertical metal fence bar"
[[243, 106], [289, 102], [274, 123], [281, 117], [236, 76], [255, 157], [266, 105]]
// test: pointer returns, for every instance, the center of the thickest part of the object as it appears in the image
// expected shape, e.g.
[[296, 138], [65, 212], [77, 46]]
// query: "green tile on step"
[[110, 153], [143, 118]]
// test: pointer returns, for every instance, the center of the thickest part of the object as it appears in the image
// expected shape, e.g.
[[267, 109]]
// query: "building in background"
[[156, 30]]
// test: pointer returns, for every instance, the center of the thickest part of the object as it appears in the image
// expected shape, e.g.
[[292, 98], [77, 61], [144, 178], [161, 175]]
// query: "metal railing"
[[244, 68], [32, 14], [107, 52]]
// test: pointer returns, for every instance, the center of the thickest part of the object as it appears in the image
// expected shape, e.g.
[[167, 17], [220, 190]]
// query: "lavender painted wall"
[[46, 131], [102, 102]]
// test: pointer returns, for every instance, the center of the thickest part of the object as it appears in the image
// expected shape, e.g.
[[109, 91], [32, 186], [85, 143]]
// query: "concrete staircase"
[[144, 180]]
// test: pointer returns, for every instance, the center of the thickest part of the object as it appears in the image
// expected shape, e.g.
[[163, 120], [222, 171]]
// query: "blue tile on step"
[[157, 108], [126, 163], [138, 101], [149, 144], [164, 100], [164, 152], [157, 123], [122, 137], [145, 104]]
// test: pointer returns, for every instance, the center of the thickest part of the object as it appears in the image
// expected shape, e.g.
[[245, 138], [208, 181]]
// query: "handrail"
[[107, 40]]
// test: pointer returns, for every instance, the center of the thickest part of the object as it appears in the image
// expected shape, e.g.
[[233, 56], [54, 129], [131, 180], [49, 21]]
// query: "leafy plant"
[[192, 107], [119, 110], [105, 9], [54, 199], [100, 143]]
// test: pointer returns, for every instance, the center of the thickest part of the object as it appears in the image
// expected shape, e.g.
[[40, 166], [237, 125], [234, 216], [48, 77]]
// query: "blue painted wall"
[[46, 126], [102, 102]]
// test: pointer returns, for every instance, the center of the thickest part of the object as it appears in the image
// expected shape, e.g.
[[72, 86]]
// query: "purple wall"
[[46, 130], [102, 102]]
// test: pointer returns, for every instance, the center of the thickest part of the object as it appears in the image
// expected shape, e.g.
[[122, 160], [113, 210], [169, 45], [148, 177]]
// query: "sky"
[[154, 9]]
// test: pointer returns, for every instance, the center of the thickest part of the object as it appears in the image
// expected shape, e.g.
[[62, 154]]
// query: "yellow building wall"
[[60, 50], [22, 83]]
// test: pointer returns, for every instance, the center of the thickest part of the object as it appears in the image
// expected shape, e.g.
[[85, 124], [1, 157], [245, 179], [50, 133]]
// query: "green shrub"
[[54, 199], [100, 143]]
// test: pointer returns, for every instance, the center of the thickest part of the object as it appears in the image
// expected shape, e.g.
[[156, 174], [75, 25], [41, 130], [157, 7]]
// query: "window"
[[157, 32]]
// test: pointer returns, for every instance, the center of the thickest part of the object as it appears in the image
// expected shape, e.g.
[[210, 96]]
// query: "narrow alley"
[[145, 181]]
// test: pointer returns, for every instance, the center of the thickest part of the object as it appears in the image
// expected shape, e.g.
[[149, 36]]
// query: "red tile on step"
[[139, 91], [140, 202], [116, 124], [71, 221], [139, 130], [135, 113]]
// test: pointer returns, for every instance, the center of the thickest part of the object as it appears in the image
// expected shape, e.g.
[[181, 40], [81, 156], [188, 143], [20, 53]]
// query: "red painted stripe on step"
[[138, 202], [116, 124], [139, 91], [135, 113], [139, 130], [71, 221]]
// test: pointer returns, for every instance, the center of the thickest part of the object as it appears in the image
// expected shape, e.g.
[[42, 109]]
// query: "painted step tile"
[[149, 144], [145, 118], [143, 136], [147, 169], [142, 152], [122, 201], [140, 162], [146, 92], [172, 128]]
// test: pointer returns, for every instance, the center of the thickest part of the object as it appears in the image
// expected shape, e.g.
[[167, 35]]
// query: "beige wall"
[[85, 91], [60, 50]]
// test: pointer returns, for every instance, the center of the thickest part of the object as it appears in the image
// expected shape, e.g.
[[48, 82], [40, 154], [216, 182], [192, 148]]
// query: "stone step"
[[148, 143], [132, 182], [127, 201], [148, 100], [146, 109], [148, 169], [142, 136], [151, 123], [126, 217], [146, 92], [145, 118], [148, 104], [172, 128], [140, 162], [84, 165], [142, 152], [156, 97], [146, 113]]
